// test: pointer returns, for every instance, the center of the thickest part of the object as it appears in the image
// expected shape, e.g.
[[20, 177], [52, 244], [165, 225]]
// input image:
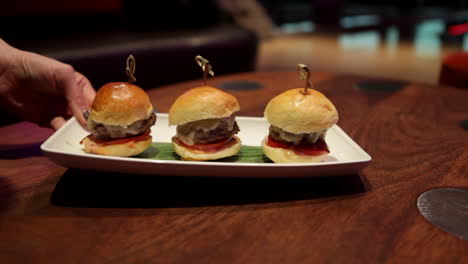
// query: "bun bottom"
[[280, 155], [127, 149], [198, 155]]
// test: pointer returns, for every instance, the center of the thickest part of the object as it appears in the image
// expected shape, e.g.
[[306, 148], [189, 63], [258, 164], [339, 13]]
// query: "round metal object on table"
[[447, 208]]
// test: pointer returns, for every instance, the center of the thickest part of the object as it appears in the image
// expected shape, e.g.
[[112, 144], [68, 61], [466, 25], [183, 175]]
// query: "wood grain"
[[49, 214]]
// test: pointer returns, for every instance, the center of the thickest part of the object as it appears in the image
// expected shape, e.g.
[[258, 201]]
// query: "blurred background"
[[399, 39]]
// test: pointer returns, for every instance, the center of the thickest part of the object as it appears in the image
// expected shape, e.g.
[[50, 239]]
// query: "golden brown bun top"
[[296, 112], [202, 103], [120, 103]]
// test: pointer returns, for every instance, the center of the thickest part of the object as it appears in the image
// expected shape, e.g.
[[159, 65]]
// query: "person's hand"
[[40, 89]]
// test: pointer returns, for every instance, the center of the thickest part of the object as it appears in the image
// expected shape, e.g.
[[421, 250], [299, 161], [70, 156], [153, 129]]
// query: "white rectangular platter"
[[345, 158]]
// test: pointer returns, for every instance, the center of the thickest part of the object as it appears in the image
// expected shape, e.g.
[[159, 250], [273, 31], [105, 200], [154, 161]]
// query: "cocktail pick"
[[130, 70], [206, 67], [304, 74]]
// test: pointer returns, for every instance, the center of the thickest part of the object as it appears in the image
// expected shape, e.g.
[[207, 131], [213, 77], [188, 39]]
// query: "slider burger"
[[120, 121], [206, 125], [299, 119]]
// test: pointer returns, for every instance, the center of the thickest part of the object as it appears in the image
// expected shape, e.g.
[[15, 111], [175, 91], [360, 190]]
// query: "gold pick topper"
[[130, 70], [206, 67], [304, 74]]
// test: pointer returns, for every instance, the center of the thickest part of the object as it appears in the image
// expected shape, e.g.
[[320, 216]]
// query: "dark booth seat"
[[164, 58], [161, 57]]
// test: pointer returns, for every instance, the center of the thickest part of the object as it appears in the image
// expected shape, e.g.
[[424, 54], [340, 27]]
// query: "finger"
[[87, 91], [78, 113], [57, 122], [66, 83], [88, 94], [66, 80]]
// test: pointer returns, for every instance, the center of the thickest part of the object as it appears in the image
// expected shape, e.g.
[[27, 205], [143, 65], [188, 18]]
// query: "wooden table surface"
[[414, 133]]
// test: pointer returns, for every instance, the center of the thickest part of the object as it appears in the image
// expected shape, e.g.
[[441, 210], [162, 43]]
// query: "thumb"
[[57, 122]]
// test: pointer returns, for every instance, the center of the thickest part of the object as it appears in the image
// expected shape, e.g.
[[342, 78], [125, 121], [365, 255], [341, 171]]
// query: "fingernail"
[[86, 114]]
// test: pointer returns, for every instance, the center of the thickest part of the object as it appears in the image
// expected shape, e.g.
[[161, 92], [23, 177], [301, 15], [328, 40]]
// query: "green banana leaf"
[[164, 151]]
